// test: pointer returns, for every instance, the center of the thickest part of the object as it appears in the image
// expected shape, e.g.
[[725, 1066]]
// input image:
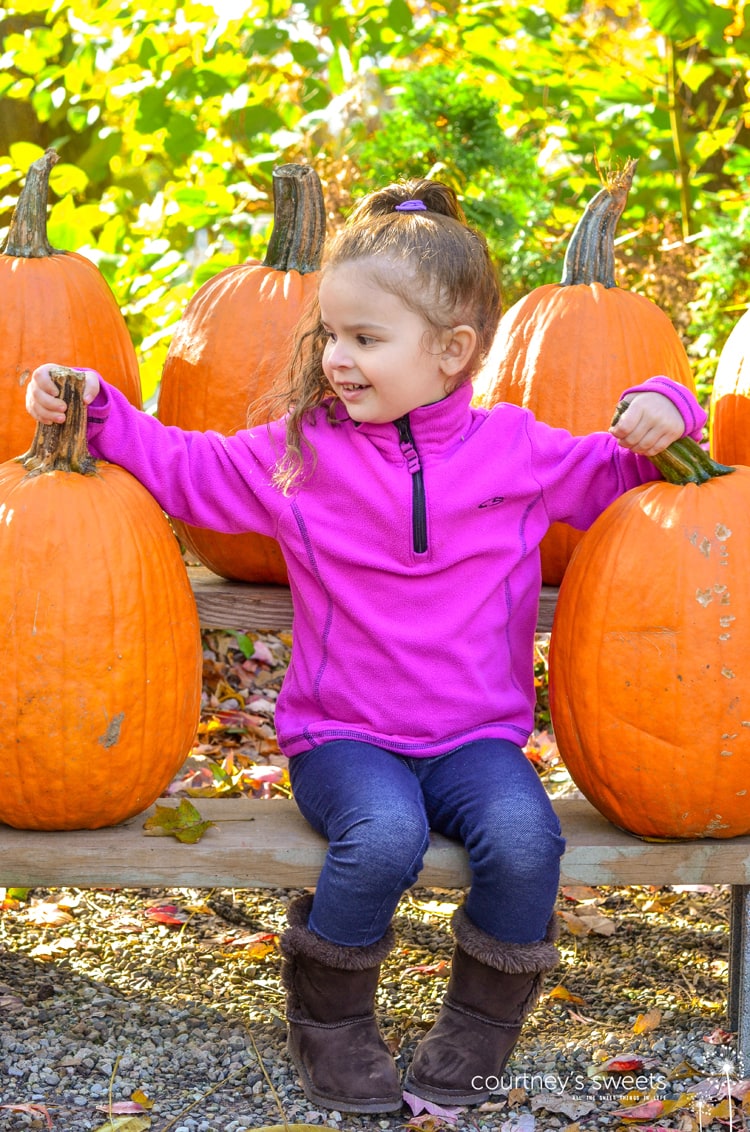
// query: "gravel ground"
[[174, 996]]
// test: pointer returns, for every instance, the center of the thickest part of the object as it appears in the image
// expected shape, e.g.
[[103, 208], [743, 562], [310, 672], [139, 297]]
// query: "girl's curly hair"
[[431, 259]]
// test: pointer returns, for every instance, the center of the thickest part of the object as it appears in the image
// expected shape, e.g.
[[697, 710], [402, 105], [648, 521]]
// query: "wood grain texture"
[[260, 844]]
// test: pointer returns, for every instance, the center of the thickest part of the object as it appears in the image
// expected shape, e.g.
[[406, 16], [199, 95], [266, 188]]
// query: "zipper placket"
[[418, 500]]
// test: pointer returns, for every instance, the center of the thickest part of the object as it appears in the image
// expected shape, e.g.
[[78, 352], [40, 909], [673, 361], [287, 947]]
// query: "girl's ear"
[[459, 345]]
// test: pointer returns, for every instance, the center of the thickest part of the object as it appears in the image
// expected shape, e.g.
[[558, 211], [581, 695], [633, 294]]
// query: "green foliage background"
[[169, 118]]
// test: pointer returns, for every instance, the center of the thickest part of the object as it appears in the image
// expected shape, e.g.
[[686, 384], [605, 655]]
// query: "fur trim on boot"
[[494, 986], [333, 1036]]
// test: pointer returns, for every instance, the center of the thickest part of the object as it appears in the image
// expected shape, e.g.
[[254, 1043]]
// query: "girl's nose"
[[337, 356]]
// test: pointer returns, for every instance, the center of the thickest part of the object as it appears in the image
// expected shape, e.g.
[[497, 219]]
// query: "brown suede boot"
[[492, 988], [333, 1037]]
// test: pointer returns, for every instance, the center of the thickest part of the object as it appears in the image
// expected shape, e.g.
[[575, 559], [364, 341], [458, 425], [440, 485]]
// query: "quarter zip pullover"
[[413, 651]]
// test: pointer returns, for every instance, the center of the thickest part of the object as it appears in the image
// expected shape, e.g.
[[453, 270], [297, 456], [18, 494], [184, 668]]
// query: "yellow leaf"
[[125, 1124], [647, 1022], [564, 995], [140, 1098]]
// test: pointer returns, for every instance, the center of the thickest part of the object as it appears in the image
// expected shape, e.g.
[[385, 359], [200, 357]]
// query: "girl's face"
[[381, 359]]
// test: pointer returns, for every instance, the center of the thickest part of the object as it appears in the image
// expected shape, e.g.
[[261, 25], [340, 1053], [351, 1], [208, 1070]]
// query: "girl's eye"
[[364, 340]]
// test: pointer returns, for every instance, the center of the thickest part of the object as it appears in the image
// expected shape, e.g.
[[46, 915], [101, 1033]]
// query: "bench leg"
[[739, 970]]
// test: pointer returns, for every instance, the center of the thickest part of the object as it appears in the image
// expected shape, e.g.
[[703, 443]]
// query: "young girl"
[[410, 523]]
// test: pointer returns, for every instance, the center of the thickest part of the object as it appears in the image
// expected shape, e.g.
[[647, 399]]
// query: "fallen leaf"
[[418, 1105], [184, 823], [442, 967], [574, 924], [125, 1124], [168, 914], [598, 923], [10, 1002], [525, 1123], [120, 1108], [562, 994], [21, 894], [31, 1110], [140, 1097], [256, 946], [647, 1022], [561, 1102], [47, 914], [580, 893], [625, 1063]]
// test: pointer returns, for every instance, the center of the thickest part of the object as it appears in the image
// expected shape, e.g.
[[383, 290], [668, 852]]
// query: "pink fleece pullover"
[[412, 550]]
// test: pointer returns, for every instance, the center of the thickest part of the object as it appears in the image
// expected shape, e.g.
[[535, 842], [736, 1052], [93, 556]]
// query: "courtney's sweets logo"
[[573, 1084]]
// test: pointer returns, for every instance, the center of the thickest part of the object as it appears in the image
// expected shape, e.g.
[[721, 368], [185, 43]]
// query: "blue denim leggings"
[[376, 809]]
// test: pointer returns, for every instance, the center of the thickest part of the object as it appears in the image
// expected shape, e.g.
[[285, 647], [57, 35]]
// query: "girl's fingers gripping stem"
[[42, 399], [649, 424]]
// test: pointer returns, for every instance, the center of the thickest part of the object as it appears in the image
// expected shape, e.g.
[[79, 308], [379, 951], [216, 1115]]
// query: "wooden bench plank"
[[259, 844], [243, 605]]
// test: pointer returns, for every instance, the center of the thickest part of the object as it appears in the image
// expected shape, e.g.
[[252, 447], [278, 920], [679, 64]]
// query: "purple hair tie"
[[410, 206]]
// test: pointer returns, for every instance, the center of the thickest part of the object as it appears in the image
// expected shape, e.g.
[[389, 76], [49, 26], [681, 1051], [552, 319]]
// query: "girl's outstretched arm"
[[206, 479]]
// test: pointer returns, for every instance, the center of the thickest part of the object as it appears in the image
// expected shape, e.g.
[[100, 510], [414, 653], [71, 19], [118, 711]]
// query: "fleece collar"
[[437, 429]]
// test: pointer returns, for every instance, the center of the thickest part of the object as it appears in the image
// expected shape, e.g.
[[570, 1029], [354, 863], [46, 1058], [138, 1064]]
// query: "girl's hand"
[[649, 424], [42, 399]]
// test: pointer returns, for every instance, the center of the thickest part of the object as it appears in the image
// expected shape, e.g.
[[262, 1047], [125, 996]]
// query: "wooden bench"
[[262, 844]]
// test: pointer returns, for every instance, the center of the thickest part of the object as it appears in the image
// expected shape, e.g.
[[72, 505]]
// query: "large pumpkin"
[[567, 350], [100, 649], [648, 667], [233, 340], [729, 415], [53, 304]]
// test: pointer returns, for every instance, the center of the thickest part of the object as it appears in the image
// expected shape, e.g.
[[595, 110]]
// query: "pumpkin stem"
[[62, 447], [684, 461], [27, 235], [299, 220], [590, 255]]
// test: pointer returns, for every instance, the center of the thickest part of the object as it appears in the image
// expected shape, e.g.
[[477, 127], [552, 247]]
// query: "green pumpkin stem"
[[684, 461], [299, 220], [27, 234], [62, 447], [590, 255]]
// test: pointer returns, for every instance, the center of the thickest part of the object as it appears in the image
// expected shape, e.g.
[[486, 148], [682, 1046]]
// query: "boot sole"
[[341, 1104], [445, 1097]]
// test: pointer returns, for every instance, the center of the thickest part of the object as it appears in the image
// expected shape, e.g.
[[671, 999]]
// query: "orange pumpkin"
[[100, 651], [53, 304], [567, 350], [649, 682], [234, 338], [729, 412]]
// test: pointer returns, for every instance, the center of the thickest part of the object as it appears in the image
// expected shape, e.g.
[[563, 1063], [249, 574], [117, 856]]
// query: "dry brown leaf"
[[598, 923], [580, 893]]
